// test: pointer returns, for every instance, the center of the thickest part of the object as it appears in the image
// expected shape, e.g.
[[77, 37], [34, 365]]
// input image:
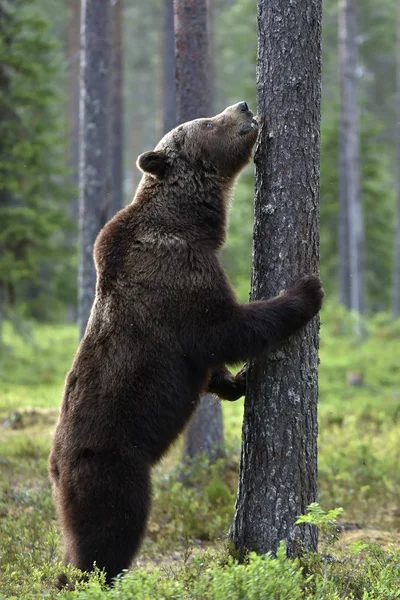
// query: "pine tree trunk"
[[191, 60], [168, 73], [193, 85], [278, 471], [117, 113], [351, 219], [95, 128], [343, 227], [6, 199], [396, 274], [211, 61], [206, 431], [73, 43]]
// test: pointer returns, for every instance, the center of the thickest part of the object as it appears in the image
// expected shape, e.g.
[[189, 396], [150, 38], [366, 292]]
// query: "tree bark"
[[193, 100], [73, 43], [95, 101], [206, 431], [211, 60], [168, 72], [191, 60], [73, 61], [351, 233], [396, 273], [117, 112], [278, 471]]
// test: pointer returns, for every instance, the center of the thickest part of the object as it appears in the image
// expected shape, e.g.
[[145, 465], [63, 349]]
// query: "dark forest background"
[[39, 142]]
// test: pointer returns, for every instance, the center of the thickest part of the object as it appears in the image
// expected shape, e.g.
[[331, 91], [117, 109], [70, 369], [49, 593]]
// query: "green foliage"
[[315, 515], [34, 262], [373, 574], [33, 366], [192, 502], [193, 505], [325, 521], [236, 256], [260, 577]]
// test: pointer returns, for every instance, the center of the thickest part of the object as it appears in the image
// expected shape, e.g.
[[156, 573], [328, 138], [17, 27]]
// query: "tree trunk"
[[73, 43], [95, 104], [168, 72], [206, 432], [350, 219], [193, 97], [191, 60], [278, 471], [343, 227], [211, 61], [396, 274], [117, 132]]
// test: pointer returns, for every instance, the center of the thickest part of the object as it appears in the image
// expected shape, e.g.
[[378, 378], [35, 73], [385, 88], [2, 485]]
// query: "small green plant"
[[325, 521]]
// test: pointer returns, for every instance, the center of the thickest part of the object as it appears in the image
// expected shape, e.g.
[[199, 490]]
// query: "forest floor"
[[359, 458]]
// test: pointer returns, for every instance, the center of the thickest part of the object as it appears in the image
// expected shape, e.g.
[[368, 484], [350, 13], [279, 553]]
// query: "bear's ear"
[[153, 162]]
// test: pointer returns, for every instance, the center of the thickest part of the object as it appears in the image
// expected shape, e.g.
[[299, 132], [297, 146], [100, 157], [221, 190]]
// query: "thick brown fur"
[[164, 323]]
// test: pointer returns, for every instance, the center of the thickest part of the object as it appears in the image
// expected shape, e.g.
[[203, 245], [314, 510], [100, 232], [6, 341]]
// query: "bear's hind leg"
[[105, 524]]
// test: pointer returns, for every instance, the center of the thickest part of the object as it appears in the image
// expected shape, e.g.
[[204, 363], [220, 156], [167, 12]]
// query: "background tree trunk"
[[193, 82], [396, 273], [278, 471], [206, 430], [168, 70], [6, 199], [193, 100], [117, 112], [73, 61], [95, 128], [73, 43], [211, 60], [351, 230]]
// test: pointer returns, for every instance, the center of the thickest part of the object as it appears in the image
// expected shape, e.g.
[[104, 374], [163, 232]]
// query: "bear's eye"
[[209, 125]]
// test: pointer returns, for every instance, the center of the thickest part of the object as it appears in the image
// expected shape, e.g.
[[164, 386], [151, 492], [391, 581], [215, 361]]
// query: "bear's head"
[[220, 145]]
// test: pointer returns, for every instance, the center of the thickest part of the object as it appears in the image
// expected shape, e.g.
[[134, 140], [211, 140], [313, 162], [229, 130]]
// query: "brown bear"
[[164, 323]]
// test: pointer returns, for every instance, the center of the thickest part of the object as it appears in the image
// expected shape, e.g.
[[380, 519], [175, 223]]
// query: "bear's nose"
[[243, 106]]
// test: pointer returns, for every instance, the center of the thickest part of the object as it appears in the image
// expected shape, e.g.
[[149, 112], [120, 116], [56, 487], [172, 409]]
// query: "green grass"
[[359, 454], [33, 368]]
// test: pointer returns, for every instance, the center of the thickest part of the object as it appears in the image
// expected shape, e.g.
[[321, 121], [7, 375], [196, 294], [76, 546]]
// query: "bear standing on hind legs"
[[164, 323]]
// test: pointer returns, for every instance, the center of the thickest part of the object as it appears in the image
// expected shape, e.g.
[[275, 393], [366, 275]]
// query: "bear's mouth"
[[252, 126]]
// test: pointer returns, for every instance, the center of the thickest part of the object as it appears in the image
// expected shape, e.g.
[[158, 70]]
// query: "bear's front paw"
[[309, 290]]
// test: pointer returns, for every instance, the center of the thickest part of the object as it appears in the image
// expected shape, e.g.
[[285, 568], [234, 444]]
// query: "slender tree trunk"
[[5, 195], [351, 219], [168, 72], [396, 274], [211, 61], [191, 60], [278, 471], [135, 136], [193, 97], [343, 226], [73, 61], [95, 101], [73, 43], [117, 112]]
